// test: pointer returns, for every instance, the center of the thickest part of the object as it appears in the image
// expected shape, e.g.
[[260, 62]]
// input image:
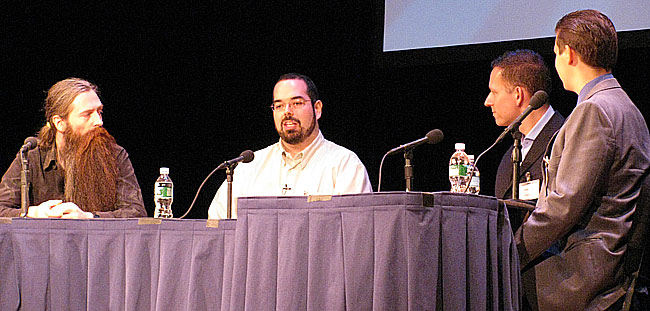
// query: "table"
[[112, 264], [378, 251]]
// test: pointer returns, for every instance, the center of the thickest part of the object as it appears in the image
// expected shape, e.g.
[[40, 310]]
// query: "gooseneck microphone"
[[29, 143], [537, 100], [245, 157], [432, 137]]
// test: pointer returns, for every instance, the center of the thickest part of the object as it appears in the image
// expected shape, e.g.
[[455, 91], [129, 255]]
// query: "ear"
[[520, 94], [318, 108], [59, 124], [572, 55]]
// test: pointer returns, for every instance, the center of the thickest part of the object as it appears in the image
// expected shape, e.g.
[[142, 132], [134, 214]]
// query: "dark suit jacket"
[[503, 189], [532, 163], [597, 164]]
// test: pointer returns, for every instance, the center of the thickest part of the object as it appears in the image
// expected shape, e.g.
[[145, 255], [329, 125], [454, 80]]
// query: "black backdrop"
[[187, 85]]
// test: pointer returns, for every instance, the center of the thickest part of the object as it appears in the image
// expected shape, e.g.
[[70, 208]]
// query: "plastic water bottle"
[[475, 182], [163, 195], [458, 165]]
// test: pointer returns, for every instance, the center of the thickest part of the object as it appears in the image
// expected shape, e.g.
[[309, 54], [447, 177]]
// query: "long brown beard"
[[91, 171]]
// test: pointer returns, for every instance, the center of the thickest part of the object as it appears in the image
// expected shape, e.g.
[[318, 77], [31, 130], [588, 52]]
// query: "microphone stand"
[[516, 161], [230, 170], [24, 183], [408, 168]]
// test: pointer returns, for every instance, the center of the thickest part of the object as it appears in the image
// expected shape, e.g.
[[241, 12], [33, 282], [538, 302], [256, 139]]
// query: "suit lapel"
[[539, 145], [504, 174], [504, 182]]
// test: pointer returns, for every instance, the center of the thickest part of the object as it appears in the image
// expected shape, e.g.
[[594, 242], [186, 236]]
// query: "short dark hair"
[[311, 87], [524, 68], [592, 35]]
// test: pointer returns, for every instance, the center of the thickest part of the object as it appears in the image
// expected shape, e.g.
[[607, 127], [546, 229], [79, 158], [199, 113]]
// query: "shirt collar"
[[50, 158], [532, 135], [302, 158], [587, 88]]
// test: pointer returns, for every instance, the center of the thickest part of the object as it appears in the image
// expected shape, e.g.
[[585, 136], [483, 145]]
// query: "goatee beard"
[[297, 136], [91, 171]]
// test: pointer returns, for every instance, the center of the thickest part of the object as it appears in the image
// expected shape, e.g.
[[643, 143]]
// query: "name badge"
[[529, 190]]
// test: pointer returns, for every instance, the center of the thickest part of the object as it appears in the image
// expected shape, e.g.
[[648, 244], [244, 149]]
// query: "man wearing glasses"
[[302, 162]]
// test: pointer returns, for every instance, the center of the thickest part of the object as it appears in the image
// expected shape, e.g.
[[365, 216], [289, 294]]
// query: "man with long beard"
[[77, 170], [303, 162]]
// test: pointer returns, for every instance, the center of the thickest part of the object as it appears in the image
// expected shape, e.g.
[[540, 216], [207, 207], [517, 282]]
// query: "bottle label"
[[164, 190], [457, 170], [475, 182]]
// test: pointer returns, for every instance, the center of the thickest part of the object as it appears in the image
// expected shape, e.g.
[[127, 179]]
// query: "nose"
[[97, 119], [488, 101], [288, 109]]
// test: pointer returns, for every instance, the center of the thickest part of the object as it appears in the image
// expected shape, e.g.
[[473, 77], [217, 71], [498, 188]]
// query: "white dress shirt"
[[323, 168]]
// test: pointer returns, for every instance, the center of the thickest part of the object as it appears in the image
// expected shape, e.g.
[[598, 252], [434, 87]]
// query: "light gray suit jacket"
[[596, 168]]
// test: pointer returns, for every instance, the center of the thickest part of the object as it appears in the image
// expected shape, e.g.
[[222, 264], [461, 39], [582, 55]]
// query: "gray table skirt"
[[112, 264], [380, 251]]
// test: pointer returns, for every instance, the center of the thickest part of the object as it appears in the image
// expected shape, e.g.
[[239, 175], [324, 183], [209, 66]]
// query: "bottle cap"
[[460, 146], [471, 157], [164, 170]]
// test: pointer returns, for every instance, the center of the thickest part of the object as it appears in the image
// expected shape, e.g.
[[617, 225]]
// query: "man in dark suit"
[[594, 173], [516, 76]]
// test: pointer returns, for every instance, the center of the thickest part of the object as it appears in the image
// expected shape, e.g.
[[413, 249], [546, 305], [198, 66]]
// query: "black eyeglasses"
[[293, 103]]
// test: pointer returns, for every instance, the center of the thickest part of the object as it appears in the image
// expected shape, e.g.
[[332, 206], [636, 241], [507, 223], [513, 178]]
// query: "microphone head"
[[538, 99], [30, 142], [248, 156], [434, 136]]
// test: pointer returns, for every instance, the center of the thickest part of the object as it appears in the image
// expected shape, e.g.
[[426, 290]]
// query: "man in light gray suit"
[[595, 169]]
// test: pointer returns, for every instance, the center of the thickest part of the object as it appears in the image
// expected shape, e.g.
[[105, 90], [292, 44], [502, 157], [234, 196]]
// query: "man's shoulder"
[[261, 154], [39, 154], [608, 97], [555, 122], [120, 153], [335, 149], [604, 91], [269, 150], [118, 147]]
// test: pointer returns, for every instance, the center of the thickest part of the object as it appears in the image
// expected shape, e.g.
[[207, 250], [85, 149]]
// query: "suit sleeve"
[[581, 159]]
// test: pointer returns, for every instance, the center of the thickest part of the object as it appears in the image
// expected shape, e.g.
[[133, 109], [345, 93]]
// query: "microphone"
[[244, 157], [537, 100], [433, 137], [29, 144]]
